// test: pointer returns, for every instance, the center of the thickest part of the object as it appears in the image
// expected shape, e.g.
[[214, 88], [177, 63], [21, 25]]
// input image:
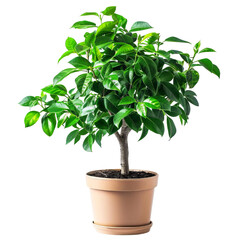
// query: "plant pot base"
[[122, 230]]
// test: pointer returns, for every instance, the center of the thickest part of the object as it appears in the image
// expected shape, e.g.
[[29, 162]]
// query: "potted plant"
[[124, 82]]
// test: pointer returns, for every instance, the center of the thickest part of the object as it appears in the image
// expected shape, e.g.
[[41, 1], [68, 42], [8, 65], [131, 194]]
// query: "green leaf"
[[90, 38], [164, 103], [28, 101], [139, 26], [110, 106], [77, 138], [83, 25], [81, 48], [197, 46], [31, 118], [70, 44], [141, 109], [174, 111], [111, 82], [80, 63], [166, 76], [154, 125], [121, 21], [72, 135], [57, 107], [90, 14], [192, 100], [64, 73], [134, 121], [120, 115], [87, 143], [109, 11], [62, 119], [171, 91], [155, 35], [127, 100], [99, 136], [71, 121], [105, 27], [152, 102], [80, 81], [87, 110], [144, 133], [49, 123], [103, 41], [216, 70], [67, 53], [175, 39], [124, 49], [86, 82], [192, 77], [164, 53], [207, 50], [101, 124], [56, 89], [205, 62], [171, 127]]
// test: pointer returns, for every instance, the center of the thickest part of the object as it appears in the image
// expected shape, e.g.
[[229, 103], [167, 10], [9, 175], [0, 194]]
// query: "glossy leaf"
[[49, 123], [64, 73], [127, 100], [29, 101], [124, 49], [205, 62], [105, 27], [134, 121], [67, 53], [72, 135], [101, 124], [121, 115], [175, 39], [155, 125], [70, 44], [57, 107], [164, 103], [31, 118], [141, 109], [111, 82], [171, 127], [109, 11], [71, 121], [216, 70], [207, 50], [80, 62], [171, 91], [90, 14], [144, 133], [87, 143], [83, 25], [55, 89], [139, 26], [192, 77], [152, 102]]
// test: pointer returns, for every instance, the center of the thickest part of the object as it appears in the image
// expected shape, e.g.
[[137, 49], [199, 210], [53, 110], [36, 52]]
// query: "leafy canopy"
[[121, 75]]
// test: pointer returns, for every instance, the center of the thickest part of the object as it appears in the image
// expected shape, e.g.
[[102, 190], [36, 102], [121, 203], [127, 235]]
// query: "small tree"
[[126, 82]]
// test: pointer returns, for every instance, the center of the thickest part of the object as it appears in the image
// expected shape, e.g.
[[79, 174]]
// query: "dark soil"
[[117, 174]]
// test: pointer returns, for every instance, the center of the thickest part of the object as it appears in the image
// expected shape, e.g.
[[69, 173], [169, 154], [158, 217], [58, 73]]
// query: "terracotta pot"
[[122, 206]]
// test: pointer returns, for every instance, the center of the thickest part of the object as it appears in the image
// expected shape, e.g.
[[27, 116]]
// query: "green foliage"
[[121, 77]]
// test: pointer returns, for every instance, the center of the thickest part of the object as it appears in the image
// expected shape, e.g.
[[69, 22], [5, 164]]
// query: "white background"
[[43, 194]]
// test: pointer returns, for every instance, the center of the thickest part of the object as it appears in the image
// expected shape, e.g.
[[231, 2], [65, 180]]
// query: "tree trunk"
[[123, 141]]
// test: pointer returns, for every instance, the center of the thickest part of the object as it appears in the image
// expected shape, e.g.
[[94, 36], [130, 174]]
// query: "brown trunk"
[[123, 141]]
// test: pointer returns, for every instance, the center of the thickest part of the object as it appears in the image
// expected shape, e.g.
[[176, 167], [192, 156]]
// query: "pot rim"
[[122, 179], [126, 184]]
